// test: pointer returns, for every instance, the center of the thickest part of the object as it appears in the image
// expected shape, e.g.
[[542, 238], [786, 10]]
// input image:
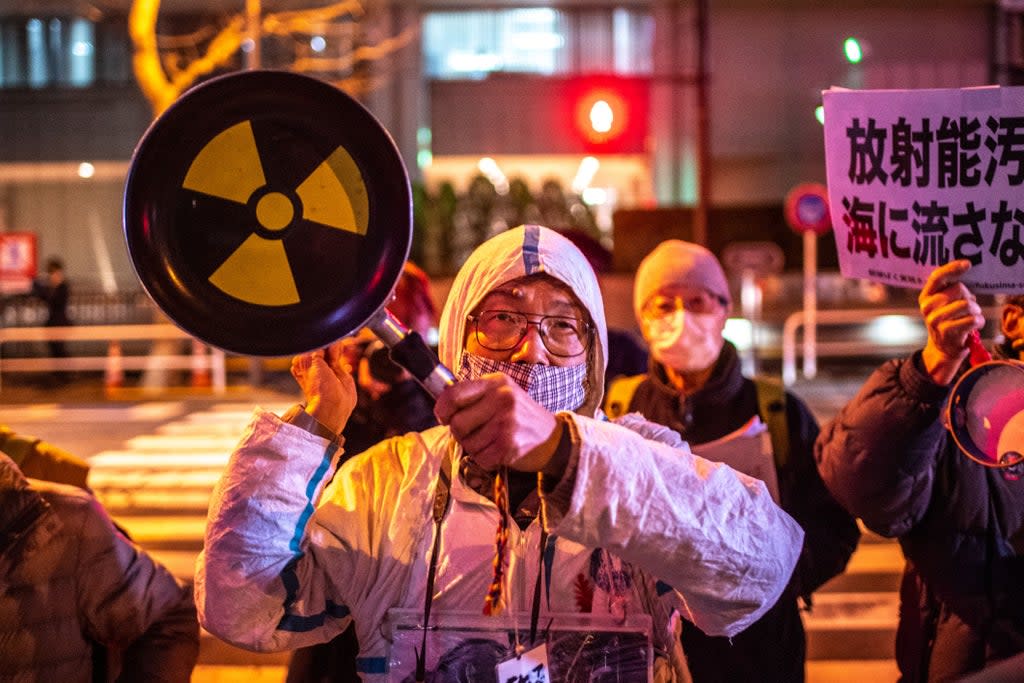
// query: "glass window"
[[473, 44], [82, 53], [632, 40], [44, 52], [38, 63], [540, 40], [113, 49], [12, 55]]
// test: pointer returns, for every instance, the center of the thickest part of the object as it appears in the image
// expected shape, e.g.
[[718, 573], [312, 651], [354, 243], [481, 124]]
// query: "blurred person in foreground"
[[288, 562], [78, 600], [390, 402], [694, 386], [889, 459], [38, 459]]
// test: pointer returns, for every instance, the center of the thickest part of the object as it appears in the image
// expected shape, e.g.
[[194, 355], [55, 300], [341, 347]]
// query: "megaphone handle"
[[410, 351], [979, 354]]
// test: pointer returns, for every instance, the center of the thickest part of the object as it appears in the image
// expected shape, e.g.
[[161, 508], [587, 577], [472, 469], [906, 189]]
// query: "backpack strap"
[[771, 404], [620, 394]]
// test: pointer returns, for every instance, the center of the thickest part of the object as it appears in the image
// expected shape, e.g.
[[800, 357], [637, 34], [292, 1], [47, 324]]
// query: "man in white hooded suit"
[[634, 524]]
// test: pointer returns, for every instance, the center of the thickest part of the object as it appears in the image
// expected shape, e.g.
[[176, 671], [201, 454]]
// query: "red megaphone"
[[985, 413]]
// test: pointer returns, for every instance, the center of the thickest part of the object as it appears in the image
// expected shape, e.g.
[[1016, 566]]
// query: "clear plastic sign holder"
[[467, 646]]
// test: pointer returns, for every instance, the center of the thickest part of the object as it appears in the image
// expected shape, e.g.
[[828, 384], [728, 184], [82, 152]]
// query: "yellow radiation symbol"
[[334, 195]]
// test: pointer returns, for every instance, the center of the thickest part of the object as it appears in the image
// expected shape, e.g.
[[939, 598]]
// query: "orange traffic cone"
[[200, 365], [113, 377]]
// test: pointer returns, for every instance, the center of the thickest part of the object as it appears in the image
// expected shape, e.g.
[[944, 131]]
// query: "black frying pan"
[[268, 213]]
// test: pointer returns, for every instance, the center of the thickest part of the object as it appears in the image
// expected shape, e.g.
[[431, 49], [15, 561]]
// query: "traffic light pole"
[[253, 31], [700, 219]]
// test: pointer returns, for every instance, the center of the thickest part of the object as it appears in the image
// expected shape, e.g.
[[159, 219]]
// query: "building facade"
[[601, 99]]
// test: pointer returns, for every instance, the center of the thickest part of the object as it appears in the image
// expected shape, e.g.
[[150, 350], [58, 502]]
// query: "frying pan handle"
[[410, 351]]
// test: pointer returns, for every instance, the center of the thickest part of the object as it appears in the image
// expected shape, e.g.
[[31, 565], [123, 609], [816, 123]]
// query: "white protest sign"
[[917, 178]]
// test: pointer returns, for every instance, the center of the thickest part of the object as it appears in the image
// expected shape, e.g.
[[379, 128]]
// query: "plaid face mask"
[[555, 388]]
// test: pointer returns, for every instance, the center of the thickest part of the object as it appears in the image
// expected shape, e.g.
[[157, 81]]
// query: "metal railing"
[[199, 359], [84, 308], [812, 349]]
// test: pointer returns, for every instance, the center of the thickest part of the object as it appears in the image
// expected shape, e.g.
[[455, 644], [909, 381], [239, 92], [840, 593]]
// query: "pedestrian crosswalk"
[[854, 615], [137, 412], [158, 486], [170, 473]]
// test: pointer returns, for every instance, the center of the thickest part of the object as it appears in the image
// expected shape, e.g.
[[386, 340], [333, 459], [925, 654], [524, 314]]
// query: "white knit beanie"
[[675, 262]]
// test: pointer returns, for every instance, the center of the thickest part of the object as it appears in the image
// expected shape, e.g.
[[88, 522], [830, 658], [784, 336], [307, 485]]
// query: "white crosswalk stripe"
[[173, 469], [156, 410]]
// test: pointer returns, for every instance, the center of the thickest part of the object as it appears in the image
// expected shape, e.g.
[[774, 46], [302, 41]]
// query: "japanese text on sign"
[[919, 178]]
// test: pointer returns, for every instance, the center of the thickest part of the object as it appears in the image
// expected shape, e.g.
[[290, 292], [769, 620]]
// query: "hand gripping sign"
[[919, 178]]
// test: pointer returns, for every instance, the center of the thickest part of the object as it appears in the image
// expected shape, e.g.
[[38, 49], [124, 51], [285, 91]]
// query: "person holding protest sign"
[[599, 509], [889, 459], [695, 386]]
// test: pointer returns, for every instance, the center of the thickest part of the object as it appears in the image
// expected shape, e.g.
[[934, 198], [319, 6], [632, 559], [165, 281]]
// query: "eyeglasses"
[[664, 305], [563, 336]]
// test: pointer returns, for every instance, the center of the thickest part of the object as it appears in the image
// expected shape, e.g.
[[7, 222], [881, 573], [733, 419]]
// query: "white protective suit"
[[288, 561]]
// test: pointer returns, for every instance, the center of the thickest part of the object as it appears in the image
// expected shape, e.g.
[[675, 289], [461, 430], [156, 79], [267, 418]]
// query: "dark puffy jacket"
[[78, 601], [773, 648], [890, 461]]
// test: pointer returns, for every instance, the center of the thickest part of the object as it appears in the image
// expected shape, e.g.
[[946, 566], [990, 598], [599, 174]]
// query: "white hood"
[[526, 250]]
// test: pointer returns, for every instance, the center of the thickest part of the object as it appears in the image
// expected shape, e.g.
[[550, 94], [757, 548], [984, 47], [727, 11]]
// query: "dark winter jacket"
[[56, 298], [773, 648], [405, 407], [890, 461], [78, 601]]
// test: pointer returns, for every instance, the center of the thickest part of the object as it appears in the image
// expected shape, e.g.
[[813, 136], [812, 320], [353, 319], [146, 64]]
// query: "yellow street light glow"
[[585, 174], [489, 167]]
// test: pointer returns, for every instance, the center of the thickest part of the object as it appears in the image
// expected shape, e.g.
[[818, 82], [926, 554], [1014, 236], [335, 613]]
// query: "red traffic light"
[[601, 115], [608, 114]]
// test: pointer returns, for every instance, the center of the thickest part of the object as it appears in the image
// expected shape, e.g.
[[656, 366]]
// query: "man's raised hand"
[[950, 312], [329, 390]]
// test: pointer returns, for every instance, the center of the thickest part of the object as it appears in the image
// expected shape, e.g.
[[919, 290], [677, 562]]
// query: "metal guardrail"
[[795, 321], [84, 308], [113, 362]]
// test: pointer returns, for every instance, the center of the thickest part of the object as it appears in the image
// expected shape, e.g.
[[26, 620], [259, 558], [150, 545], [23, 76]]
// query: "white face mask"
[[688, 342]]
